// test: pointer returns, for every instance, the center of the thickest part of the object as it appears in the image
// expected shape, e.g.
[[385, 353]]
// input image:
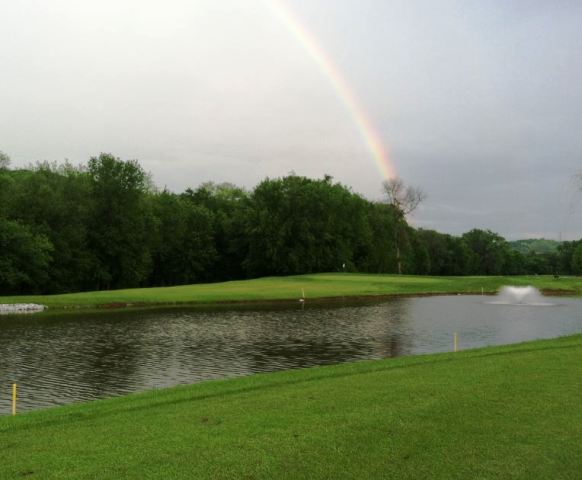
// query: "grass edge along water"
[[291, 288]]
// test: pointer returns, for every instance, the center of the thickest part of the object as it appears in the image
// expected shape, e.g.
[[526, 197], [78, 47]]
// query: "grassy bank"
[[291, 288], [508, 412]]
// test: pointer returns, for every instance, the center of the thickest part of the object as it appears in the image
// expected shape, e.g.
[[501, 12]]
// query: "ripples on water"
[[64, 358]]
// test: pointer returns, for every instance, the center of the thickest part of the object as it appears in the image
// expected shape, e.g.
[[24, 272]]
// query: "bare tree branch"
[[404, 198]]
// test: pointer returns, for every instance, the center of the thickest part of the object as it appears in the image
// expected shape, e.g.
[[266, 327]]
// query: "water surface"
[[64, 358]]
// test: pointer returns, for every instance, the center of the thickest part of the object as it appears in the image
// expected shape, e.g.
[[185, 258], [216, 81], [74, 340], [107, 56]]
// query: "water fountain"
[[521, 296]]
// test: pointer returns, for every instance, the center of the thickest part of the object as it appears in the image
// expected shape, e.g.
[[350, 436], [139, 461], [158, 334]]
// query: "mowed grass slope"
[[509, 412], [289, 288]]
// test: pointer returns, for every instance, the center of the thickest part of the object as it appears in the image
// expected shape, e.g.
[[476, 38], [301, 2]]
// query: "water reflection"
[[63, 358]]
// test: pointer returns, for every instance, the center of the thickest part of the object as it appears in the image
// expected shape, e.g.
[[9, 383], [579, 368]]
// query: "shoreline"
[[289, 301], [325, 288], [321, 301]]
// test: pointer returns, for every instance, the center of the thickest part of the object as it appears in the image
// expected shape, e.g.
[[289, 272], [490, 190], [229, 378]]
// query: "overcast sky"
[[478, 102]]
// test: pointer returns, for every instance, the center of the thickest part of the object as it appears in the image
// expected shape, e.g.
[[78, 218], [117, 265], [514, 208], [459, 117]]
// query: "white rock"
[[20, 308]]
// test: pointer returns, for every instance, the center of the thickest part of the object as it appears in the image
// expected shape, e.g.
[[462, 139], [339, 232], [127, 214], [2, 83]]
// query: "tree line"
[[105, 225]]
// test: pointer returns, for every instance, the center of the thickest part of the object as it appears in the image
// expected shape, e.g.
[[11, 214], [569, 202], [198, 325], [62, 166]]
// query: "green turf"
[[291, 288], [509, 412]]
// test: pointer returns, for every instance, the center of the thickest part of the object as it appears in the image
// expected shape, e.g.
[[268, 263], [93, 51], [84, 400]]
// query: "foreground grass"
[[508, 412], [290, 288]]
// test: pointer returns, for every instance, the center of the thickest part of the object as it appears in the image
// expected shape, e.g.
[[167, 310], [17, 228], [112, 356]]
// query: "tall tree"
[[403, 199], [121, 223]]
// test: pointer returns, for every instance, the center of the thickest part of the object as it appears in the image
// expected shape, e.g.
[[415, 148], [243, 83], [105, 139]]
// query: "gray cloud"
[[478, 101]]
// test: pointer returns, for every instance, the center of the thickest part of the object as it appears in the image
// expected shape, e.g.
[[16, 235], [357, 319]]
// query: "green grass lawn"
[[510, 412], [289, 288]]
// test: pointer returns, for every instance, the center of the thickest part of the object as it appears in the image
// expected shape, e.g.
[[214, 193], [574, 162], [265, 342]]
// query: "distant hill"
[[536, 245]]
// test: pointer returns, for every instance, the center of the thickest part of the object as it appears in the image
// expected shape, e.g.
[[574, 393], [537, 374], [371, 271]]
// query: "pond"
[[70, 357]]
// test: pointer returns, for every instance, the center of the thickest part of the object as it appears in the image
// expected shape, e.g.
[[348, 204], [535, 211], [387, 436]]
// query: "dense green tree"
[[229, 205], [565, 257], [437, 250], [487, 252], [121, 222], [459, 256], [300, 225], [6, 186], [538, 263], [65, 228], [448, 254], [420, 261], [577, 259], [24, 258], [440, 250], [184, 250], [376, 247], [513, 262], [55, 201]]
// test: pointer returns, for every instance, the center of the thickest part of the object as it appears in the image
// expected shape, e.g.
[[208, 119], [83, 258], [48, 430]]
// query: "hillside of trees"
[[535, 245], [104, 225]]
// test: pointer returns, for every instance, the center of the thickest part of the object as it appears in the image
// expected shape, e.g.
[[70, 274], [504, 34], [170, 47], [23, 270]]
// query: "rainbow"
[[345, 93]]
